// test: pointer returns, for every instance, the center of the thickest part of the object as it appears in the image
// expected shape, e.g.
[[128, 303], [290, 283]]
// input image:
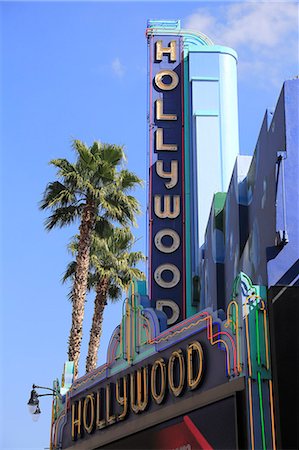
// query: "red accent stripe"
[[204, 444]]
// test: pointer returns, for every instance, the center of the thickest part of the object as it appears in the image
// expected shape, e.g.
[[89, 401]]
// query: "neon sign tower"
[[193, 144]]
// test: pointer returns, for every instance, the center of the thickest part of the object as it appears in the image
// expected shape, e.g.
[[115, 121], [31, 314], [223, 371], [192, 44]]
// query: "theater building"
[[205, 353]]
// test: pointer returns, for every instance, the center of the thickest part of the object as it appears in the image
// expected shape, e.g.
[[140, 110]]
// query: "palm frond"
[[114, 293], [56, 194], [62, 216], [128, 180], [135, 257], [113, 154], [103, 228], [83, 151], [70, 271], [69, 173], [63, 165]]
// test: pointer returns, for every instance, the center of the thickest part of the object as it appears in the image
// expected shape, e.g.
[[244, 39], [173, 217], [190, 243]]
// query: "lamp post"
[[33, 402]]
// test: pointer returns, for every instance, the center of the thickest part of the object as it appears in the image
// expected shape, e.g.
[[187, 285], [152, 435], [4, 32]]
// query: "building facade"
[[204, 356]]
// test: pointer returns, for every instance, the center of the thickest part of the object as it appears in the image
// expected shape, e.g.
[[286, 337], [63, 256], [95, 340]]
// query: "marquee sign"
[[155, 375], [186, 366], [166, 179], [137, 390]]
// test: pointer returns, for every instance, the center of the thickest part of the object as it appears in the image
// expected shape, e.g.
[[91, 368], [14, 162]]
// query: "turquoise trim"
[[206, 112], [144, 354], [190, 309], [140, 287], [118, 368], [204, 79], [216, 49], [190, 38], [164, 24]]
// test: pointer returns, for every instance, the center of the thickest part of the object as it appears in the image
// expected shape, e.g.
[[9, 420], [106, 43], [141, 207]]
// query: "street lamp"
[[36, 414], [33, 402]]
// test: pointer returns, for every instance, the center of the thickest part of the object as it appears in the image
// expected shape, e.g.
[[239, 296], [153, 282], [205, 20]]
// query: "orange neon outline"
[[158, 339], [229, 321], [165, 335], [210, 336], [210, 321], [272, 415], [128, 343], [265, 333], [132, 321], [250, 414], [52, 423]]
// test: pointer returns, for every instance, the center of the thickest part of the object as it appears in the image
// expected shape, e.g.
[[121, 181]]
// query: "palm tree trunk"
[[96, 327], [80, 284]]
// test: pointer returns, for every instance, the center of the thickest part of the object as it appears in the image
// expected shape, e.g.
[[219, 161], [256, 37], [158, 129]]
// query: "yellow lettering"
[[122, 400], [110, 418], [167, 248], [100, 420], [193, 381], [160, 304], [142, 390], [176, 276], [166, 86], [158, 364], [88, 419], [173, 174], [76, 421], [160, 114], [160, 146], [176, 355], [166, 213], [170, 50]]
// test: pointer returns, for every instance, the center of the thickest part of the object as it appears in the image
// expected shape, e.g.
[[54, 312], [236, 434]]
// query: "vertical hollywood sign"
[[166, 259]]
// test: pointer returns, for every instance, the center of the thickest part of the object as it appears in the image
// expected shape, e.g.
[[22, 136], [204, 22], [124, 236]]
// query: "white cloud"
[[264, 34], [118, 68]]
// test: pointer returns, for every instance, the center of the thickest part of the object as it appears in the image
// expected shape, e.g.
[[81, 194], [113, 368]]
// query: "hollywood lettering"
[[166, 200], [133, 393]]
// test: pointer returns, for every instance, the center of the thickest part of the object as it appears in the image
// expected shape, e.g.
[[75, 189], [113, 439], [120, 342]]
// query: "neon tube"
[[261, 410], [250, 414], [272, 415]]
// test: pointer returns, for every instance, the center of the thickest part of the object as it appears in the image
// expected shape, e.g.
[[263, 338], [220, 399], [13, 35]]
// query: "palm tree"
[[112, 269], [93, 191]]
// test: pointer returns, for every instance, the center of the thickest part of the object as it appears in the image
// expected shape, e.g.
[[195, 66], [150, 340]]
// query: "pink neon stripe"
[[183, 181], [204, 444], [150, 167]]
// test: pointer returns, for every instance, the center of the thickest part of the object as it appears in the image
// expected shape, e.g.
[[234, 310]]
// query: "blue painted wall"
[[260, 211], [214, 140]]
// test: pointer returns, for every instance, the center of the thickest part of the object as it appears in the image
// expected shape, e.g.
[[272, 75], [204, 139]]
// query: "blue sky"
[[78, 70]]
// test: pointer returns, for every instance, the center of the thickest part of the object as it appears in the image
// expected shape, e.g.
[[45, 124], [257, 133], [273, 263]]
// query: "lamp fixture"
[[36, 414], [33, 402]]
